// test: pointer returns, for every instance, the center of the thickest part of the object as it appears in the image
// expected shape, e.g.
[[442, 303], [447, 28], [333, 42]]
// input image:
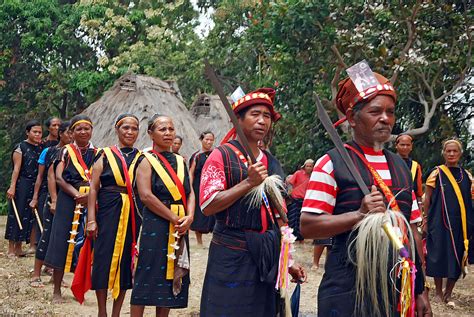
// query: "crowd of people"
[[135, 208]]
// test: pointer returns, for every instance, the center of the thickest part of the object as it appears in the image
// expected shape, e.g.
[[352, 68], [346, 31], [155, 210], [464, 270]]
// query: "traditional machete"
[[238, 129], [326, 121]]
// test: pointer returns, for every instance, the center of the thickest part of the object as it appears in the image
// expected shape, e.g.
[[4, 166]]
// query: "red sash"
[[82, 281], [174, 176], [377, 178], [132, 201], [384, 187], [84, 166]]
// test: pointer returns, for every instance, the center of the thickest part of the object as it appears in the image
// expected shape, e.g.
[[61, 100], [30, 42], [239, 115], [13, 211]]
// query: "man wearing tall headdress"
[[243, 255], [334, 204]]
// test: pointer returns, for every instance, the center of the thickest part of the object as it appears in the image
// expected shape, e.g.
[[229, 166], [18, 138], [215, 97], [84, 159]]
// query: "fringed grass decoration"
[[273, 187], [374, 257]]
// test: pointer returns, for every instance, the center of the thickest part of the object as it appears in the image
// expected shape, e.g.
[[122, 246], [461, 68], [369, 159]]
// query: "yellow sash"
[[76, 163], [414, 167], [114, 273], [78, 211], [462, 209], [177, 209]]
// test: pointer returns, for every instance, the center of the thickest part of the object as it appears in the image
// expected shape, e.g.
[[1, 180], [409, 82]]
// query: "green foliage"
[[303, 46], [3, 205], [57, 57], [47, 68], [155, 38]]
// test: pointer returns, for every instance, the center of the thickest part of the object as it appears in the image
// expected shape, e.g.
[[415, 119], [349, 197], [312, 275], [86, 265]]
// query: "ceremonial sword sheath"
[[238, 129], [326, 121]]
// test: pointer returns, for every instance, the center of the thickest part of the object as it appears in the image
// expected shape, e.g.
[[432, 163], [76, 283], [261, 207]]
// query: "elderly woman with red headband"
[[448, 201], [334, 205], [243, 255]]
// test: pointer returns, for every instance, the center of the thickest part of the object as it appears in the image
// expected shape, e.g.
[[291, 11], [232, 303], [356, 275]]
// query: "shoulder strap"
[[78, 162], [239, 154], [114, 166], [462, 208], [178, 180], [160, 170], [414, 167]]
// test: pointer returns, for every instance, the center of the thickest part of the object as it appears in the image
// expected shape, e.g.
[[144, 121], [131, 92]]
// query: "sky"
[[205, 21]]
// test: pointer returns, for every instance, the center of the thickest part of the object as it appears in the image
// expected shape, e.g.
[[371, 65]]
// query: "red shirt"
[[299, 180]]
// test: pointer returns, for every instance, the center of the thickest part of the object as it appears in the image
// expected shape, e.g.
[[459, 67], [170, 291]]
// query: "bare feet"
[[57, 299], [447, 298], [314, 267], [438, 298]]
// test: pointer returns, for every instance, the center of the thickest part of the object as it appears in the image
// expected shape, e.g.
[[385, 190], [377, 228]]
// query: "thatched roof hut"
[[210, 115], [143, 96]]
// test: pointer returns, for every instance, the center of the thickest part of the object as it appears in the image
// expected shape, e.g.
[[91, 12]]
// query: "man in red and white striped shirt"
[[322, 188], [334, 204]]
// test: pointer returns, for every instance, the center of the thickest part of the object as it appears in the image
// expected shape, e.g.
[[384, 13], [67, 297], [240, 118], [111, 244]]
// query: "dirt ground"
[[17, 298]]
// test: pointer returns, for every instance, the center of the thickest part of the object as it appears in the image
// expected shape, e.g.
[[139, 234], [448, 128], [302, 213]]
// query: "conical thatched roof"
[[210, 115], [143, 96]]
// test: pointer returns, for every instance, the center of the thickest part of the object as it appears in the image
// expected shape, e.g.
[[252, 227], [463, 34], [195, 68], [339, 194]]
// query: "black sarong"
[[294, 215], [241, 274]]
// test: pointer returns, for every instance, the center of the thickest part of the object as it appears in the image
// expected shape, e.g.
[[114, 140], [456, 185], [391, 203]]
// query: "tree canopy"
[[57, 57]]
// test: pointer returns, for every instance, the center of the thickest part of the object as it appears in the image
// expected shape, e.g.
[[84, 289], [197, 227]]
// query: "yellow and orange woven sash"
[[83, 171], [177, 209], [114, 273], [462, 209]]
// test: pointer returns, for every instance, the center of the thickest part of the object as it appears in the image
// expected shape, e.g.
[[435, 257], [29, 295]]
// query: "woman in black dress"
[[164, 188], [201, 224], [73, 179], [448, 201], [25, 167], [49, 208], [41, 185], [114, 224]]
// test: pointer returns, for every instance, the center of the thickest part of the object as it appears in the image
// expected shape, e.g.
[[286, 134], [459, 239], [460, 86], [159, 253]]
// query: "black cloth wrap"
[[201, 223], [242, 264], [58, 246], [23, 194], [150, 286], [109, 210], [294, 215], [241, 273], [441, 260]]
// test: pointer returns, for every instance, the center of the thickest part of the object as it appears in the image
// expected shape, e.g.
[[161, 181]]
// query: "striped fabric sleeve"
[[415, 210], [322, 189]]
